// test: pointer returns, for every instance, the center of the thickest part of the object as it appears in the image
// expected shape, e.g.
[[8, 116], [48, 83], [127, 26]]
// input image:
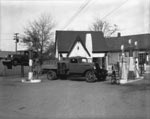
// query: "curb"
[[131, 81], [31, 81]]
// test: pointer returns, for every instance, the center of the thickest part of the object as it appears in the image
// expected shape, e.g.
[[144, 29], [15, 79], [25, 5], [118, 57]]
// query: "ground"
[[74, 99]]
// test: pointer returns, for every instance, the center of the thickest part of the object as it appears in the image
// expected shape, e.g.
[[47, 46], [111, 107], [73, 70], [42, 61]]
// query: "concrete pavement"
[[72, 99]]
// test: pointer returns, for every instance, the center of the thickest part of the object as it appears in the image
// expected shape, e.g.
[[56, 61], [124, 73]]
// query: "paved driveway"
[[73, 99]]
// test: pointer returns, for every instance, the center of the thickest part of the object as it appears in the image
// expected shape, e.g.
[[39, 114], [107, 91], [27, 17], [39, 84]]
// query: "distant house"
[[105, 51]]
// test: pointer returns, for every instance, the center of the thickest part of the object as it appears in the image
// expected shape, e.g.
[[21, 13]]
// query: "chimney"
[[89, 44], [119, 34]]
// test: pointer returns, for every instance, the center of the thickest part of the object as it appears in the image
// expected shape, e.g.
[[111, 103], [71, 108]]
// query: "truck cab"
[[20, 58], [79, 65]]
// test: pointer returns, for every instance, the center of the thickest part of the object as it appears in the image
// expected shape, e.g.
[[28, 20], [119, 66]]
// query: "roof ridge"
[[77, 31], [129, 35]]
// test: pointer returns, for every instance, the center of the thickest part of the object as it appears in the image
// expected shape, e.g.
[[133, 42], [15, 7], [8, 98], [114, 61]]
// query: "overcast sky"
[[132, 16]]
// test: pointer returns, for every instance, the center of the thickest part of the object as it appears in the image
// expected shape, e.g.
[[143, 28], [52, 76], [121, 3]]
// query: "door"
[[142, 61], [73, 66]]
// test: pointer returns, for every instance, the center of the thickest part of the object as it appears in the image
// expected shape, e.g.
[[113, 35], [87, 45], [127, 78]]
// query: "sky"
[[131, 16]]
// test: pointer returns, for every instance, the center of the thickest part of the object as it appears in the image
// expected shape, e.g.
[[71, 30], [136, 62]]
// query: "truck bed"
[[50, 64]]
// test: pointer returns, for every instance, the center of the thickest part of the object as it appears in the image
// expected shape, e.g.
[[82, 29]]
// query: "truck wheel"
[[90, 76], [51, 75]]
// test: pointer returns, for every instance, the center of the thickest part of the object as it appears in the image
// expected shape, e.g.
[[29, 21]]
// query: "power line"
[[83, 6], [76, 13], [118, 7]]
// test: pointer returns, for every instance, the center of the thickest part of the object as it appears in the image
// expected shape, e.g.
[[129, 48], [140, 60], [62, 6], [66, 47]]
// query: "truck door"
[[73, 66]]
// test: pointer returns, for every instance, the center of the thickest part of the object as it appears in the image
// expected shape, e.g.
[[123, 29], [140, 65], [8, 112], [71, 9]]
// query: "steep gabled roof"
[[65, 39], [143, 40], [78, 39]]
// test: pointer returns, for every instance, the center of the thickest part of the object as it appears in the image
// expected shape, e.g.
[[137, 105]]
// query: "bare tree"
[[50, 52], [104, 26], [39, 35]]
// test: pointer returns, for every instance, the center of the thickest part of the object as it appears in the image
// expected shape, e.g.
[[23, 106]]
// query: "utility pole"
[[16, 38]]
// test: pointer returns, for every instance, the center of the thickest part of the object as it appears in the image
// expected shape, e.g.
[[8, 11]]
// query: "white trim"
[[98, 54]]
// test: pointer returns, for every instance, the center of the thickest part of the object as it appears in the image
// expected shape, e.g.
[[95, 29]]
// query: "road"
[[74, 99]]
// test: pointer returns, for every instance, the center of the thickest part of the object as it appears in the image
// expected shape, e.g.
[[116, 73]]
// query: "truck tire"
[[51, 75], [90, 76]]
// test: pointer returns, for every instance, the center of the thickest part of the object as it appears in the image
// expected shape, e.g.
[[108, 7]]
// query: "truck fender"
[[86, 71]]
